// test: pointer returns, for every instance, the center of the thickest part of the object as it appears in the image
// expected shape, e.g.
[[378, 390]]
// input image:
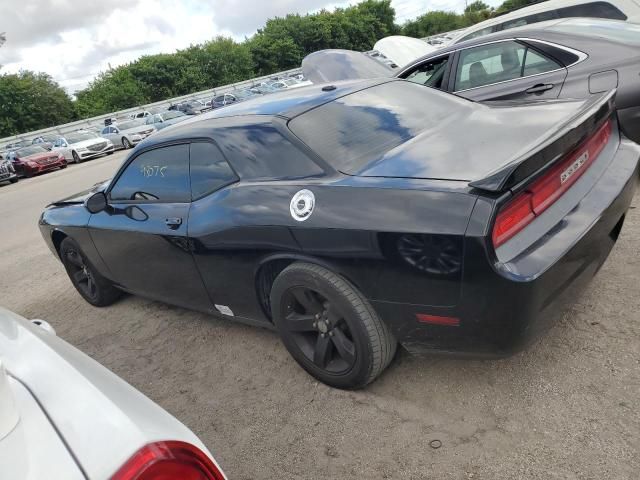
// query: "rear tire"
[[329, 328], [92, 286], [76, 157]]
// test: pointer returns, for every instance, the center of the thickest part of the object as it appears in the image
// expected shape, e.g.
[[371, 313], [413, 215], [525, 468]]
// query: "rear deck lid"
[[405, 130]]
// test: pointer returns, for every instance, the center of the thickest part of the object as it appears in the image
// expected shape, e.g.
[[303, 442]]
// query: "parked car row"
[[47, 153]]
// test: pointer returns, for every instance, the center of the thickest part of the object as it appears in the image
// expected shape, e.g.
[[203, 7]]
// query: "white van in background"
[[628, 10]]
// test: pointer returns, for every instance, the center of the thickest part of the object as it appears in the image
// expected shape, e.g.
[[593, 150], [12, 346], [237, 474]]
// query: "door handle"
[[539, 88], [173, 223]]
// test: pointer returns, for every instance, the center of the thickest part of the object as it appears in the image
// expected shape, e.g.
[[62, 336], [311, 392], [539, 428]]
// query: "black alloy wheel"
[[94, 288], [81, 274], [319, 329], [329, 327]]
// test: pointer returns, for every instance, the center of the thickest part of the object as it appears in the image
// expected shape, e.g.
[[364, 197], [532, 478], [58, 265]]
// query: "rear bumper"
[[504, 306]]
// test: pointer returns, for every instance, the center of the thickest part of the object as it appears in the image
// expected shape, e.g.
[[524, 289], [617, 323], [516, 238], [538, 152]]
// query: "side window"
[[161, 175], [106, 130], [477, 33], [499, 62], [208, 169], [535, 18], [490, 63], [430, 74], [260, 151], [219, 99], [535, 63]]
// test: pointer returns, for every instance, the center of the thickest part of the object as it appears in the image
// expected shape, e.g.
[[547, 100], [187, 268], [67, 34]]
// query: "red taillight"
[[438, 320], [544, 191], [169, 460]]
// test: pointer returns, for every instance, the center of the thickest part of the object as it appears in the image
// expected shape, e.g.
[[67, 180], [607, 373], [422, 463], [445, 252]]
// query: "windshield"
[[26, 151], [354, 131], [80, 137]]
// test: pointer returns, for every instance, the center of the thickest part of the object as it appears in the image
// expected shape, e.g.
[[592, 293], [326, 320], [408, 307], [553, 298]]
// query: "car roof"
[[542, 6], [287, 103]]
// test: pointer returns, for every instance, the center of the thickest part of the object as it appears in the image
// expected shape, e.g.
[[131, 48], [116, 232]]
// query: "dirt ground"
[[567, 408]]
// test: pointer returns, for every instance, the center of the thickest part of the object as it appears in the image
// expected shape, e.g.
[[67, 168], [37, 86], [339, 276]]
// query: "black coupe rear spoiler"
[[554, 145]]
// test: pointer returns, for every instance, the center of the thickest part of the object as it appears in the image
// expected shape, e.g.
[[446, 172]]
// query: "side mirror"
[[96, 203]]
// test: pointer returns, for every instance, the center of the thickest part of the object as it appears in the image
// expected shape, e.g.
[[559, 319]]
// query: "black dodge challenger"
[[361, 215]]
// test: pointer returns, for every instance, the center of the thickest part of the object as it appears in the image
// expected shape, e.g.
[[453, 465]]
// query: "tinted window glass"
[[535, 18], [595, 9], [356, 130], [486, 64], [209, 170], [259, 151], [430, 74], [478, 33], [157, 175], [535, 63]]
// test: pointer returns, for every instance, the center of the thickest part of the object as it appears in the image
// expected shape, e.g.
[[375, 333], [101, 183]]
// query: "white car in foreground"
[[82, 145], [65, 416]]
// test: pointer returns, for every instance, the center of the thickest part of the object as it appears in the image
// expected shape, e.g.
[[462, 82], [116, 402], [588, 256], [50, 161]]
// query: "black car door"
[[506, 70], [142, 235]]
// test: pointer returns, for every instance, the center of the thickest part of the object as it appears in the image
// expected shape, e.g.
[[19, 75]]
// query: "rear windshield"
[[353, 131], [623, 32]]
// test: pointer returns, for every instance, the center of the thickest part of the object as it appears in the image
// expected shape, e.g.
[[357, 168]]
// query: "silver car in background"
[[82, 145], [128, 133], [65, 416], [161, 120]]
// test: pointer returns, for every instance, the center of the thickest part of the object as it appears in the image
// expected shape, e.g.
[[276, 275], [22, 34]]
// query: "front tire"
[[76, 157], [329, 328], [13, 180], [126, 144], [92, 286]]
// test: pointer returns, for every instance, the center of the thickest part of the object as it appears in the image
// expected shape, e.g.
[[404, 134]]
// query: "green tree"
[[475, 12], [31, 101], [432, 23], [510, 5], [113, 90]]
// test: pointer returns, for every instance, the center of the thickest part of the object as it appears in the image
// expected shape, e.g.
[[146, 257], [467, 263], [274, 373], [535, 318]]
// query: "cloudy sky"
[[73, 40]]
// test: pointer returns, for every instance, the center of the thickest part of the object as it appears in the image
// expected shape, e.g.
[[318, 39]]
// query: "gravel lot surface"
[[569, 407]]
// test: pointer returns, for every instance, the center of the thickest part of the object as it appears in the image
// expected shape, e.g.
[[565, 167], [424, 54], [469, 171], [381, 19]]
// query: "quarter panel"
[[358, 230]]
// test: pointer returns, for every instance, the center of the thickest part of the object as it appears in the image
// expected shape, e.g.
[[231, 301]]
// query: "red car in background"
[[34, 159]]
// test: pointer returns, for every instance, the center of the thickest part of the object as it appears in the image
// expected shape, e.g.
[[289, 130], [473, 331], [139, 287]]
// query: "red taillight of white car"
[[524, 207], [169, 460]]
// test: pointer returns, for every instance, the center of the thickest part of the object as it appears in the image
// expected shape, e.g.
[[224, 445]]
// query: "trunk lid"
[[492, 147], [403, 130]]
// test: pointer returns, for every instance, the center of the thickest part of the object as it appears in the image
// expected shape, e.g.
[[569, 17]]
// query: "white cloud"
[[73, 40]]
